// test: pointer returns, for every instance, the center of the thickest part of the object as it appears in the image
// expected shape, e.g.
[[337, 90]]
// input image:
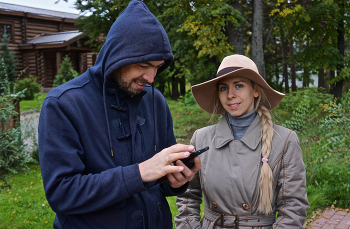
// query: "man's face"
[[133, 78]]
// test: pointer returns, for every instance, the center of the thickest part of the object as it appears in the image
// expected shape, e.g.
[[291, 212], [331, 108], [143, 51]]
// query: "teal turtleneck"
[[240, 124]]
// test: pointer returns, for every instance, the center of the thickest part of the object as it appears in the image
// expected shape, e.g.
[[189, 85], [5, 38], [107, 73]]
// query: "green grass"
[[24, 204], [187, 119], [34, 104]]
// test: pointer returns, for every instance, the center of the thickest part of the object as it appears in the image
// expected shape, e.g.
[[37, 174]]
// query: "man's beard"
[[125, 86]]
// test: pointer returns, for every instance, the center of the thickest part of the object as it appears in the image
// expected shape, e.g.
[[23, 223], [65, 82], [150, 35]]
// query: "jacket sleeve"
[[292, 202], [188, 204], [68, 189]]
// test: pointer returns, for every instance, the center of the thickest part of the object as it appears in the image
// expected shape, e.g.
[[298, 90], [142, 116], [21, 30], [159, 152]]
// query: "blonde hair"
[[265, 189]]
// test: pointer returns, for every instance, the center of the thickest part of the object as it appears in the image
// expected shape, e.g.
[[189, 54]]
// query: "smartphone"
[[189, 161]]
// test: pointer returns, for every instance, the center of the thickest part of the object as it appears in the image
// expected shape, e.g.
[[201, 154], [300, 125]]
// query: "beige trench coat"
[[229, 180]]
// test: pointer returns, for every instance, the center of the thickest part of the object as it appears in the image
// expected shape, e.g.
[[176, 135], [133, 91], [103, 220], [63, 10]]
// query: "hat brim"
[[205, 93]]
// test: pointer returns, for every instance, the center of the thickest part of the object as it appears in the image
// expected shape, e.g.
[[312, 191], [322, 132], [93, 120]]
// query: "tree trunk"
[[306, 77], [332, 87], [285, 71], [257, 37], [235, 35], [182, 85], [321, 79], [175, 88], [161, 87], [292, 66], [337, 89]]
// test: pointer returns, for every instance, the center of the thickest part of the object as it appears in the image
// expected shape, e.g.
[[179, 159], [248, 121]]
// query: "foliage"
[[12, 155], [197, 32], [304, 105], [8, 69], [67, 72], [30, 84], [292, 100], [319, 28], [324, 139]]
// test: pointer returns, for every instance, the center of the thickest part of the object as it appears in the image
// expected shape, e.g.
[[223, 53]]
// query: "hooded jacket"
[[92, 135]]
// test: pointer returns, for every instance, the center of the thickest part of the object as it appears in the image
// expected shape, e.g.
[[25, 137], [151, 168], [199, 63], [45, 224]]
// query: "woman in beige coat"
[[253, 168]]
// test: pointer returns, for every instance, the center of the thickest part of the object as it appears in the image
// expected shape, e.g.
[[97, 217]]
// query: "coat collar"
[[251, 138]]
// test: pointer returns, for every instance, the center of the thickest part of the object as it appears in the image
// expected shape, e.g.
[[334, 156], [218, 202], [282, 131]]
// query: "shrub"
[[31, 86], [12, 154], [312, 96], [67, 72], [8, 58], [324, 133], [331, 153]]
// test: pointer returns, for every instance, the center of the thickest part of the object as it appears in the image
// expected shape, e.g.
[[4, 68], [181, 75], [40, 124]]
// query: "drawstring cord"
[[154, 120], [108, 130]]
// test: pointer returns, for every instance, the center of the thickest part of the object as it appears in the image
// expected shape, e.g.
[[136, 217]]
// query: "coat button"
[[245, 207], [214, 205]]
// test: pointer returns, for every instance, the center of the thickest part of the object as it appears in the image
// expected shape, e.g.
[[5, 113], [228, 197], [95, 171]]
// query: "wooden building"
[[41, 38]]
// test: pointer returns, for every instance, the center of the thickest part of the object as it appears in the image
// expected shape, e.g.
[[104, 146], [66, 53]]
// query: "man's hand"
[[178, 179], [161, 165]]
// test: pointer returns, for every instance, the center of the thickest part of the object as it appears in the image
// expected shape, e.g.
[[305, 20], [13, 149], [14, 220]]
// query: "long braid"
[[265, 182]]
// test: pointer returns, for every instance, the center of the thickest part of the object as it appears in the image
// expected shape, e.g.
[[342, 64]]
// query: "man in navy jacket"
[[106, 137]]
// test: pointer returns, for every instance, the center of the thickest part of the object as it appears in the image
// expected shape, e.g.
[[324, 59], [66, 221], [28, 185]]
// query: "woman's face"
[[237, 95]]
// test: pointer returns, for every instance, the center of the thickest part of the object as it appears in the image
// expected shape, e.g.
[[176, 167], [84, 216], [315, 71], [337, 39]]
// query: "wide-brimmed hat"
[[205, 93]]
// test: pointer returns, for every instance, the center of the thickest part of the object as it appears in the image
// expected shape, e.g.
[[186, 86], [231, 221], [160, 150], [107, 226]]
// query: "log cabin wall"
[[42, 62]]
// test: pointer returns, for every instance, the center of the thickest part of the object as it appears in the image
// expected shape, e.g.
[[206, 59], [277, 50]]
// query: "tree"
[[66, 71], [10, 63], [235, 33], [198, 35], [321, 27], [257, 37], [12, 154]]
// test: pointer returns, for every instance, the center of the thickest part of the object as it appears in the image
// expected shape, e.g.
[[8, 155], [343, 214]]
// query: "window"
[[6, 28]]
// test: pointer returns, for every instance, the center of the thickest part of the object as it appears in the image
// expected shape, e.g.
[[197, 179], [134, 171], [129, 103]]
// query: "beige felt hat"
[[234, 65]]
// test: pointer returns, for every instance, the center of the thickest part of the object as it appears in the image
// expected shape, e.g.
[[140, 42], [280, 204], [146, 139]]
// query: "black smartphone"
[[189, 161]]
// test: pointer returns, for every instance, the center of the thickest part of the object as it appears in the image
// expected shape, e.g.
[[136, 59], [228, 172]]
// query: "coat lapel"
[[223, 133], [252, 136]]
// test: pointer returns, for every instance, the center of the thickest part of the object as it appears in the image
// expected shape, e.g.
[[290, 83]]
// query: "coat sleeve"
[[189, 204], [292, 202], [68, 189]]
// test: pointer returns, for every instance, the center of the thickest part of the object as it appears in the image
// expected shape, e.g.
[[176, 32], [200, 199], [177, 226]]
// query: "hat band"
[[224, 71]]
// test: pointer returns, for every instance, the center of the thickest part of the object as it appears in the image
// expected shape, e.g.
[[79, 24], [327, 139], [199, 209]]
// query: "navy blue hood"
[[135, 37]]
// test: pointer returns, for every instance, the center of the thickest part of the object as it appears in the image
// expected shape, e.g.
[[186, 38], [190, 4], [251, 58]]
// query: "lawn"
[[34, 104], [24, 204]]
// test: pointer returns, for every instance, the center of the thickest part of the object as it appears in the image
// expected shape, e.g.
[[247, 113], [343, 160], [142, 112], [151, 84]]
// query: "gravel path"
[[29, 129]]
